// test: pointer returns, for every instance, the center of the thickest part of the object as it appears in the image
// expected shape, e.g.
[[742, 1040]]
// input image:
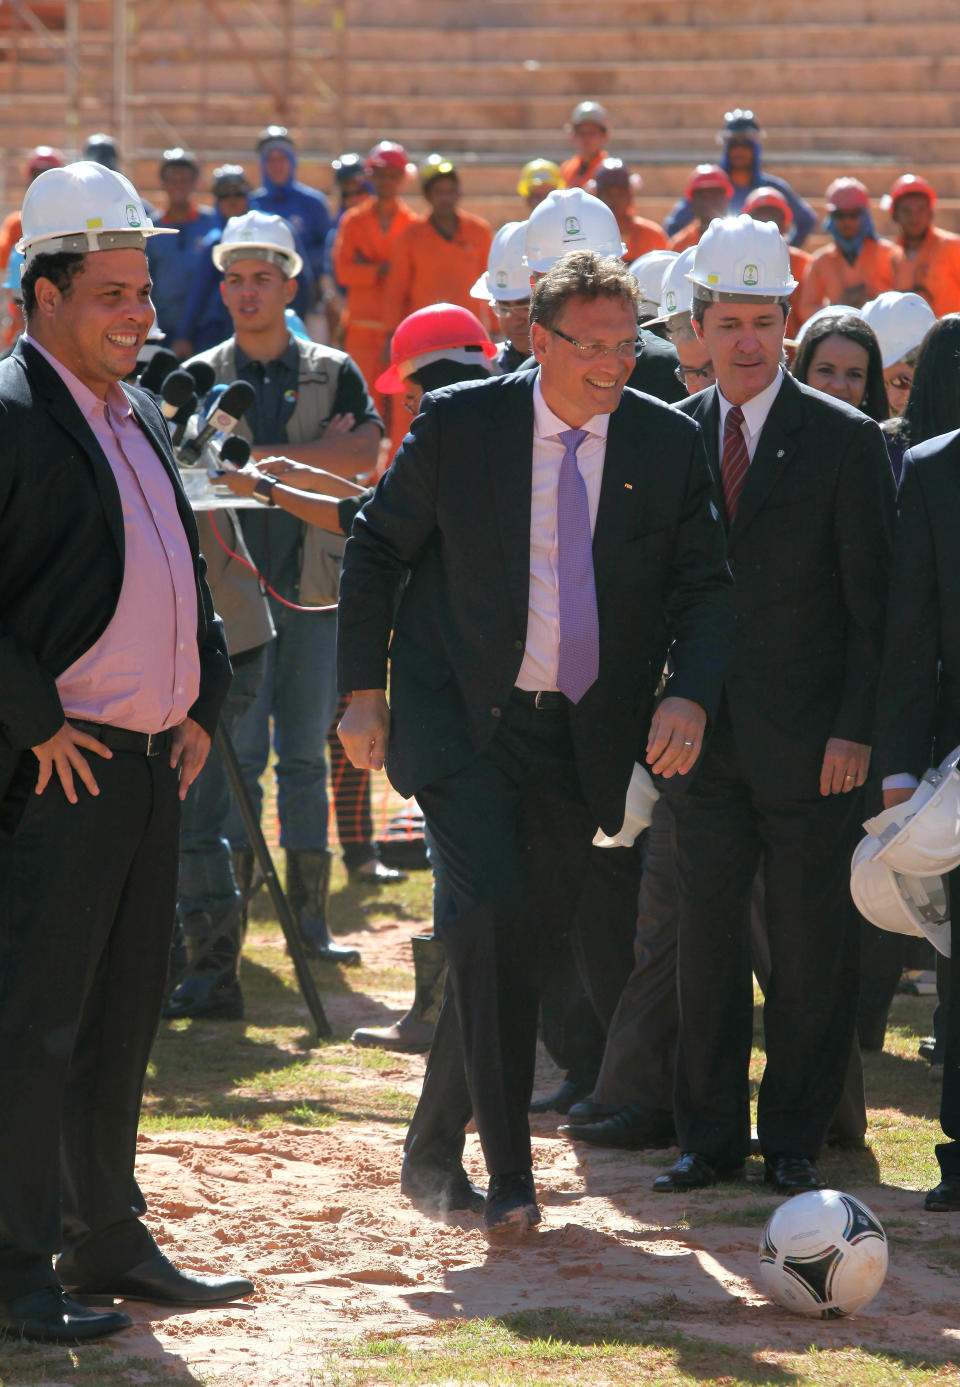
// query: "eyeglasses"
[[901, 382], [698, 372], [504, 309], [595, 351]]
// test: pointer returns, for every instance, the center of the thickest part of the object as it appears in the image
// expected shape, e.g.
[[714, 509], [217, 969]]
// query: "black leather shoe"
[[206, 996], [693, 1172], [440, 1189], [511, 1205], [634, 1128], [587, 1110], [569, 1092], [792, 1175], [51, 1317], [945, 1199], [157, 1280]]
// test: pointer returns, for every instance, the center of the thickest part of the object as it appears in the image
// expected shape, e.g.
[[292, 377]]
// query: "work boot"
[[308, 886], [413, 1033], [210, 988]]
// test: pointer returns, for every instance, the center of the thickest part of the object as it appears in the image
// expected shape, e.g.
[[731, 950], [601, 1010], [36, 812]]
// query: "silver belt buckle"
[[150, 740], [536, 701]]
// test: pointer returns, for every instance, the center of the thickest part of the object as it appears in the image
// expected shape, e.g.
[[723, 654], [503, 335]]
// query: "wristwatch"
[[263, 490]]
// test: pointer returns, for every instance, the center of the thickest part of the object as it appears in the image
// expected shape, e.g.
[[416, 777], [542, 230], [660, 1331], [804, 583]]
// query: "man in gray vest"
[[312, 406]]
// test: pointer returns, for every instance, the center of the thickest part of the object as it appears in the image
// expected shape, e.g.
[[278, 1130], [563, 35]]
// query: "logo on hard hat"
[[751, 275], [501, 279], [572, 226], [671, 303], [133, 216]]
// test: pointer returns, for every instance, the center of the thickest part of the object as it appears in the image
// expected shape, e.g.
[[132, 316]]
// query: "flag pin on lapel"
[[779, 452]]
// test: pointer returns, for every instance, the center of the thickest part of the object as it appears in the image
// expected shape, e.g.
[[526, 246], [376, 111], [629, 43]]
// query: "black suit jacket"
[[809, 550], [62, 551], [452, 516], [918, 717]]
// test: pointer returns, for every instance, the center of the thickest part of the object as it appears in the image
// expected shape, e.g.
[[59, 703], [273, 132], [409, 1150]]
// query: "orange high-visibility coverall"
[[830, 278], [686, 237], [574, 175], [641, 236], [934, 272], [10, 233], [361, 247], [799, 260]]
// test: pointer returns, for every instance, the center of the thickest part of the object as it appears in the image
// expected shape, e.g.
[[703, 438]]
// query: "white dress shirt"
[[542, 653], [755, 413]]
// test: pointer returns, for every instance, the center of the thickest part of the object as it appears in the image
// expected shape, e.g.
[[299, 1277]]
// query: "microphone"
[[181, 419], [204, 376], [222, 417], [156, 370], [175, 391], [235, 453]]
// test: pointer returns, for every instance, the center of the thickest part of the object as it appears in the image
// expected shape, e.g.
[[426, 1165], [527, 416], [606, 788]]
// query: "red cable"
[[294, 606]]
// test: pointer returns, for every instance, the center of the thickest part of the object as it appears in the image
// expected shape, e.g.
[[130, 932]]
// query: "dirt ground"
[[315, 1217]]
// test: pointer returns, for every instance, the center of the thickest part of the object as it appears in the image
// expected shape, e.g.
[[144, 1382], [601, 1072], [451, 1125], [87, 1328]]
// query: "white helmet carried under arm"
[[921, 836], [569, 219], [81, 208], [642, 795], [506, 276], [739, 258]]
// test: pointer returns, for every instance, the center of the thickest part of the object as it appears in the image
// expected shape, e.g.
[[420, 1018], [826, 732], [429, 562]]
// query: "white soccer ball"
[[823, 1254]]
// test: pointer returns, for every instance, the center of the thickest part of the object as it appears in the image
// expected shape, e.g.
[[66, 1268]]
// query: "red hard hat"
[[847, 195], [770, 197], [443, 330], [908, 183], [387, 155], [709, 176], [42, 158]]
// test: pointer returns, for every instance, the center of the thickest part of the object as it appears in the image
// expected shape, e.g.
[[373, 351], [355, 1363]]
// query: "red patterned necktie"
[[735, 461]]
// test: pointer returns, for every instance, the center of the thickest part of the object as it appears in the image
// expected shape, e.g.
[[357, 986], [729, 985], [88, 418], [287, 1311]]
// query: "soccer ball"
[[823, 1254]]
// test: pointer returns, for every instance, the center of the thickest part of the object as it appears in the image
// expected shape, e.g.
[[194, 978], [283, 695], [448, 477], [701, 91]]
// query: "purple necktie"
[[579, 627]]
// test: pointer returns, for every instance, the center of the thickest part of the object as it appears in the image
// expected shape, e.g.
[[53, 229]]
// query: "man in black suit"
[[554, 535], [808, 500], [109, 648], [918, 710]]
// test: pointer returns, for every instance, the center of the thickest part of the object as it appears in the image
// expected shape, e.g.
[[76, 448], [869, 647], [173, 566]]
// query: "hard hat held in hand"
[[742, 258], [900, 321], [440, 332], [897, 902], [506, 276], [642, 795], [82, 208], [258, 236], [921, 836], [569, 219]]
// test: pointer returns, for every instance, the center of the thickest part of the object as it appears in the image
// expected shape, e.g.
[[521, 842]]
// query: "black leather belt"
[[122, 739], [540, 698]]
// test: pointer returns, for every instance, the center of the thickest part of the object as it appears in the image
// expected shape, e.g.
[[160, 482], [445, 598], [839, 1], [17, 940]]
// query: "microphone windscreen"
[[177, 388], [204, 376], [236, 451]]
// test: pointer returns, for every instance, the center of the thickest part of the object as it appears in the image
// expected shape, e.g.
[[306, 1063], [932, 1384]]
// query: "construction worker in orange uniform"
[[858, 265], [40, 159], [363, 251], [927, 260], [708, 193], [769, 205], [614, 184], [588, 124], [538, 178]]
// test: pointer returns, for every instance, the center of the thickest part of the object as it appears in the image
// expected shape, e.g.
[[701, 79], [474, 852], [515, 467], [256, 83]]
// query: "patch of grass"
[[24, 1365]]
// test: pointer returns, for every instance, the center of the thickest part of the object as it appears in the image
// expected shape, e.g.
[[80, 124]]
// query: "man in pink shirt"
[[113, 667]]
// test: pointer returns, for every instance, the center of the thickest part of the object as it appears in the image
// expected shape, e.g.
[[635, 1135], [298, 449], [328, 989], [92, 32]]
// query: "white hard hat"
[[921, 836], [642, 795], [506, 276], [569, 219], [742, 258], [676, 291], [897, 902], [81, 208], [648, 272], [900, 321], [829, 310], [258, 236]]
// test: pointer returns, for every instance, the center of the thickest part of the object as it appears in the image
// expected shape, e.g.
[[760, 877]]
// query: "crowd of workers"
[[512, 733]]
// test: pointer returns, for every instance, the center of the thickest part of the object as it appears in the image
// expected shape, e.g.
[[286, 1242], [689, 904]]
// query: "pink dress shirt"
[[541, 656], [144, 671]]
